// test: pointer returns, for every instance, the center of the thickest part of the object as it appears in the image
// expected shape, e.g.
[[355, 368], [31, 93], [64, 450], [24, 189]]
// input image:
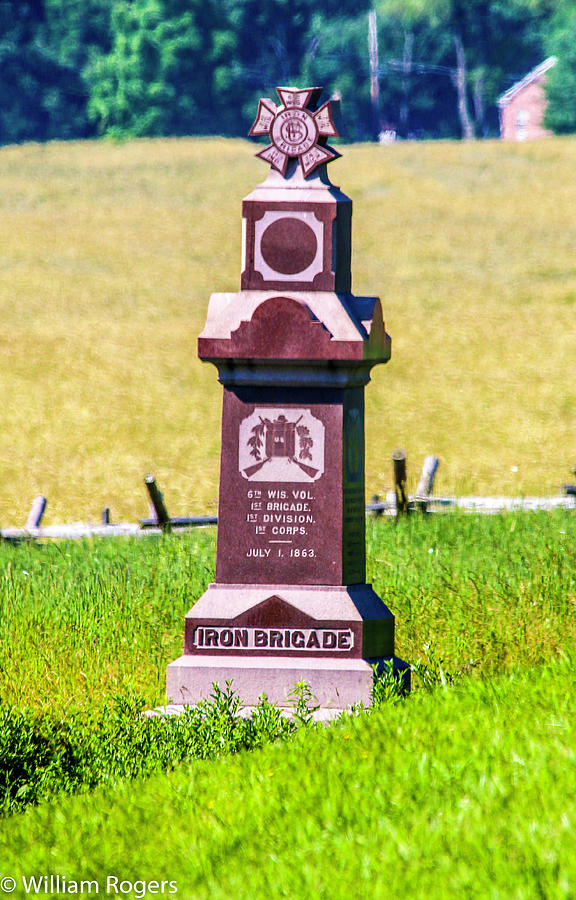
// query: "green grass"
[[46, 756], [464, 792], [108, 258], [498, 590], [82, 621]]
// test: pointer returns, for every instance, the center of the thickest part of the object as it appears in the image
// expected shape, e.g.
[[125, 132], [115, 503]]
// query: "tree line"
[[422, 68]]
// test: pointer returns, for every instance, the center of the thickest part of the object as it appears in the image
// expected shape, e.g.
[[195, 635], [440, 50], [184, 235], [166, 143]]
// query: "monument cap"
[[296, 128]]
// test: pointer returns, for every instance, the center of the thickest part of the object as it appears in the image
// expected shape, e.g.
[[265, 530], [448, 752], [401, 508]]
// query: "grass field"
[[465, 788], [110, 252], [80, 622], [466, 792], [475, 599]]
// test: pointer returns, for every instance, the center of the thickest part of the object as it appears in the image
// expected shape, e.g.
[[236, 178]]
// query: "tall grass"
[[110, 252], [465, 788], [498, 591], [43, 757], [81, 622], [464, 792]]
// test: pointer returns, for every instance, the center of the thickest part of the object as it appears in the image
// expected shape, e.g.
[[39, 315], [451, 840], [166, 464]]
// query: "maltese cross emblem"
[[296, 132]]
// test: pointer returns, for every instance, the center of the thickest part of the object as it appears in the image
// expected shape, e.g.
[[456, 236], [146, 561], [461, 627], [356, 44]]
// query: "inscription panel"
[[298, 640], [273, 626], [280, 518]]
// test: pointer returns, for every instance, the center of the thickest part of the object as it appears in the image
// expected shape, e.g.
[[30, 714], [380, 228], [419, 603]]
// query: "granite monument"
[[294, 349]]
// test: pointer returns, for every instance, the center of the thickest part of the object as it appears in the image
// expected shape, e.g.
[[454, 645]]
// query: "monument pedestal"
[[334, 686], [266, 638], [294, 349]]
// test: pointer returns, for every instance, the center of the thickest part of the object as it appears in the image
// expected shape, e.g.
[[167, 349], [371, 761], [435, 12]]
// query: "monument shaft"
[[298, 491]]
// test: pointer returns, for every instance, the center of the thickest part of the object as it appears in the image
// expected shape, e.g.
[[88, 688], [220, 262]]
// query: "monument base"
[[265, 638], [335, 684]]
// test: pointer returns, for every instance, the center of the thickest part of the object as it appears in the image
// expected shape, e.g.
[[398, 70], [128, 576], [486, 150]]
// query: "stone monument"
[[294, 349]]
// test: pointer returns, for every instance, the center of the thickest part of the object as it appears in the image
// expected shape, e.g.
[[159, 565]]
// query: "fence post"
[[426, 483], [399, 463], [375, 501], [36, 512], [157, 501]]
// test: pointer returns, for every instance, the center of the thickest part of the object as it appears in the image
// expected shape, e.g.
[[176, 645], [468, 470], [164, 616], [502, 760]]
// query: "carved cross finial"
[[296, 132]]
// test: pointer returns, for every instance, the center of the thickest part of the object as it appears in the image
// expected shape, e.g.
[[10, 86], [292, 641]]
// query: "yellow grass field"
[[109, 252]]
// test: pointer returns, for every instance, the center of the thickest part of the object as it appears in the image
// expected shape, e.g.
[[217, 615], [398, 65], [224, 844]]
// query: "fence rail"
[[396, 503]]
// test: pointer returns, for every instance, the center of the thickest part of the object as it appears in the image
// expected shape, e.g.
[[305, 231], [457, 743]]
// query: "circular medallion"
[[294, 131], [288, 246]]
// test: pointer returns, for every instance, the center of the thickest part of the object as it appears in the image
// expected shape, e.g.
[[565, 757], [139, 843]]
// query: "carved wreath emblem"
[[275, 438], [278, 444]]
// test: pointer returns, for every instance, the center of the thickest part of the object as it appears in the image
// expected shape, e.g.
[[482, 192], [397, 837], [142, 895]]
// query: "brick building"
[[523, 105]]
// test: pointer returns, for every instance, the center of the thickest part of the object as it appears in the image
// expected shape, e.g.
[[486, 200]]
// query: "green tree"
[[484, 41], [28, 69], [411, 105], [74, 30], [44, 47], [158, 76], [199, 66], [72, 68], [283, 42], [561, 80]]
